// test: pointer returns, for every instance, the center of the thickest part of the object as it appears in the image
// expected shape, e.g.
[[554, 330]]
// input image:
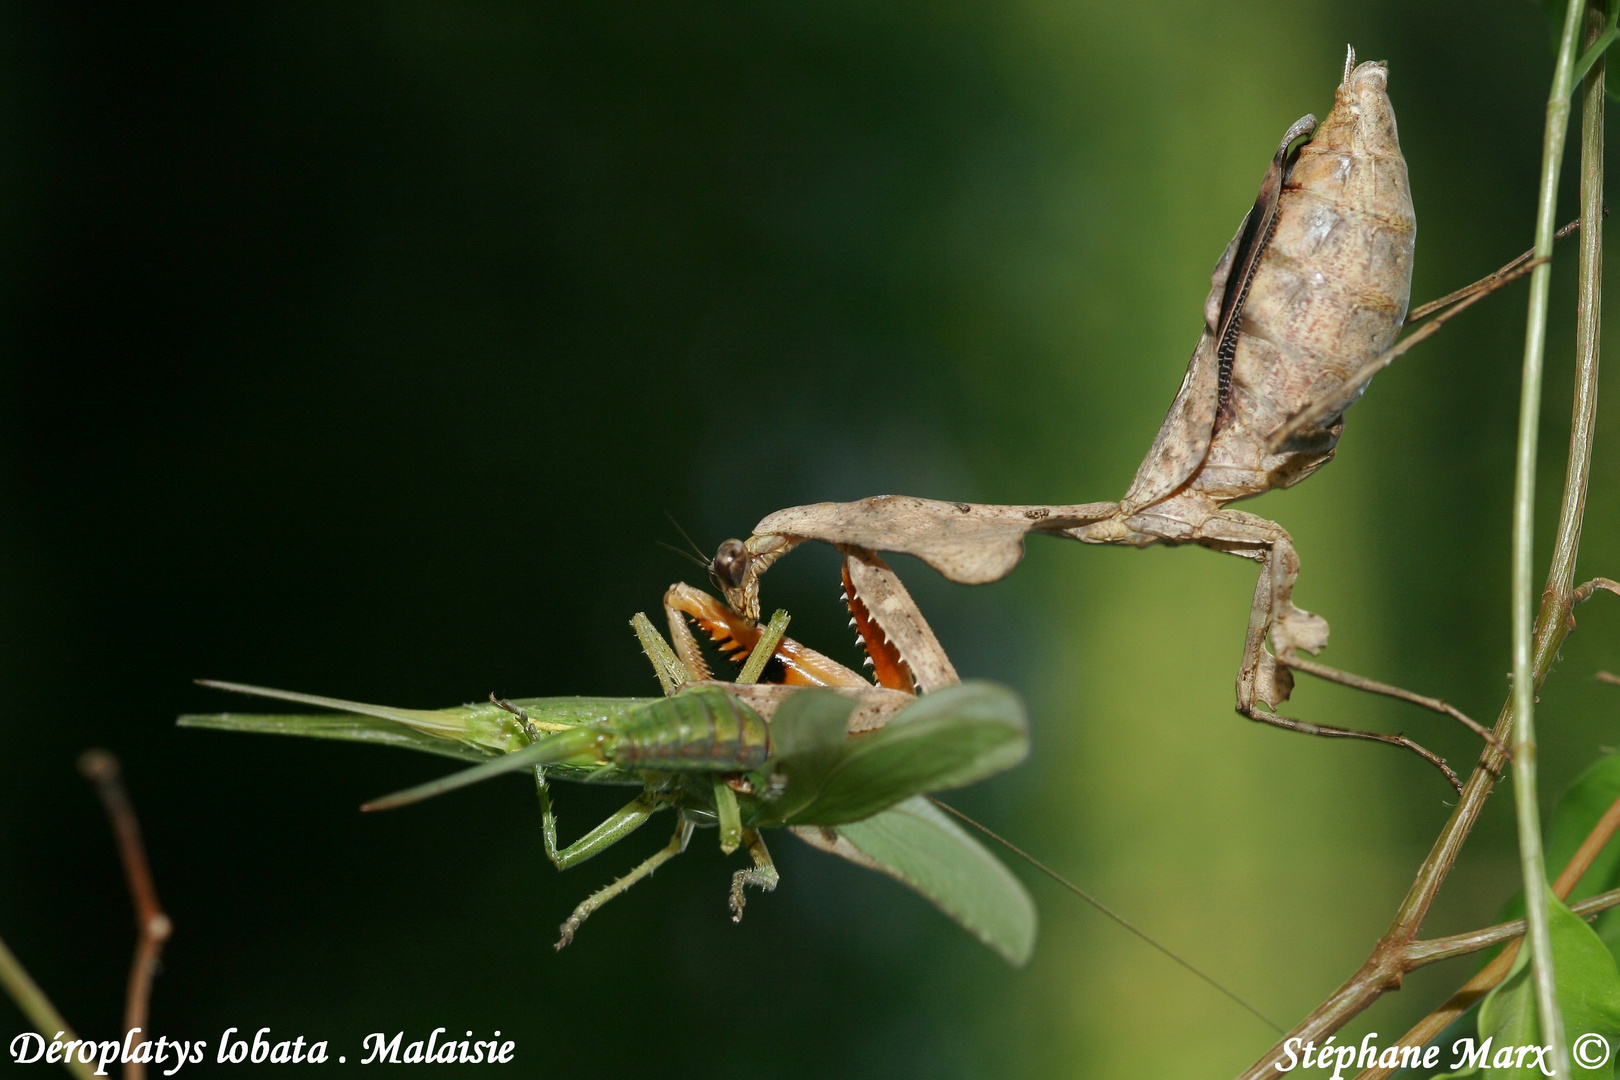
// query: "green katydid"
[[742, 757], [841, 763]]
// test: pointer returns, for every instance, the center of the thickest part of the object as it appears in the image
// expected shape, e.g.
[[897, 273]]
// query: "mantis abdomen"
[[1328, 294]]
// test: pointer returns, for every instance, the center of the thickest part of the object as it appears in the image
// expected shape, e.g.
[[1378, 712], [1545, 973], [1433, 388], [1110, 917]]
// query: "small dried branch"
[[1420, 953], [152, 926], [1585, 592]]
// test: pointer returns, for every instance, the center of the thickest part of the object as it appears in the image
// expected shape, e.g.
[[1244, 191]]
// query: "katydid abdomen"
[[700, 729]]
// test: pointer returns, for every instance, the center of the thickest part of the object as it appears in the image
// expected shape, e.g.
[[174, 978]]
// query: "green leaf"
[[1580, 805], [944, 740], [1588, 993], [809, 733], [918, 845]]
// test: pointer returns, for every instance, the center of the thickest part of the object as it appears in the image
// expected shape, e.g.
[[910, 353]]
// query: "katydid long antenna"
[[1108, 911]]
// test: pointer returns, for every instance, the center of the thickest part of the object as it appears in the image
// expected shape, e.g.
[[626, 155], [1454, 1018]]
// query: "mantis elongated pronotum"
[[1303, 311]]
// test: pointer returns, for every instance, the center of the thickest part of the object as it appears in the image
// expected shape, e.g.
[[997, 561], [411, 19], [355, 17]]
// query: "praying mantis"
[[1304, 307], [844, 769]]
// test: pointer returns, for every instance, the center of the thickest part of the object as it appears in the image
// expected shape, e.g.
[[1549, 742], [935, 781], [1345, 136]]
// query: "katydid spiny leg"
[[626, 821], [548, 819], [762, 876], [676, 845]]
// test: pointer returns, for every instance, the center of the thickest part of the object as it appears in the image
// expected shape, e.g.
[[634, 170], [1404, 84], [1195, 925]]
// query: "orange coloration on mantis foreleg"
[[888, 666], [736, 636]]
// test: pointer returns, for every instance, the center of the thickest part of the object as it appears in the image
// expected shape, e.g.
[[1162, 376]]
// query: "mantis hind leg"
[[762, 876], [1265, 677], [676, 845]]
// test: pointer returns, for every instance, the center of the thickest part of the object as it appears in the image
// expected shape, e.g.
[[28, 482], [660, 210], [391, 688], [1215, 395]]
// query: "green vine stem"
[[1527, 811]]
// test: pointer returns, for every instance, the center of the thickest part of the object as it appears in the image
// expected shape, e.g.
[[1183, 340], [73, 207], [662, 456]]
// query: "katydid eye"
[[730, 565]]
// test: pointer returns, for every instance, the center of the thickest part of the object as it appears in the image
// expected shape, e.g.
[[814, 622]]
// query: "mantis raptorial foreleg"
[[762, 876], [676, 845], [974, 544]]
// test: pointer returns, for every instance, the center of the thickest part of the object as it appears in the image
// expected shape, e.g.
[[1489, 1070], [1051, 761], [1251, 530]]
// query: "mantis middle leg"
[[1264, 677]]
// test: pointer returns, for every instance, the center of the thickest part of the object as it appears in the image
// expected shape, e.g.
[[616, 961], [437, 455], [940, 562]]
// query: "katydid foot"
[[763, 876]]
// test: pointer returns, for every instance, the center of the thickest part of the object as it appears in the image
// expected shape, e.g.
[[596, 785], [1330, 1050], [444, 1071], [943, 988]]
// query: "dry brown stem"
[[152, 926]]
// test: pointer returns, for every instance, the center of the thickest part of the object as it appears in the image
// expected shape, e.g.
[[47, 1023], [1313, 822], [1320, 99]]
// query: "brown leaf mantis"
[[1303, 310]]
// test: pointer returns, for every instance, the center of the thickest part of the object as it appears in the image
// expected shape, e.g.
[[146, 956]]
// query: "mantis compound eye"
[[730, 565]]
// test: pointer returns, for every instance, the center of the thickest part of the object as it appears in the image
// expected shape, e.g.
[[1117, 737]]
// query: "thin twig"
[[1420, 953], [1585, 592], [1381, 971], [152, 926], [37, 1007], [1486, 283]]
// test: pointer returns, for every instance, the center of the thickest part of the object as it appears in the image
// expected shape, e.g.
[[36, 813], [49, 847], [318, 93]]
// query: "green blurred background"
[[362, 349]]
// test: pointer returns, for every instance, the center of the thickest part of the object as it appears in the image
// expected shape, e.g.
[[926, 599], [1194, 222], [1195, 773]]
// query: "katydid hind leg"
[[671, 667], [626, 820], [676, 845], [548, 820], [763, 875]]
